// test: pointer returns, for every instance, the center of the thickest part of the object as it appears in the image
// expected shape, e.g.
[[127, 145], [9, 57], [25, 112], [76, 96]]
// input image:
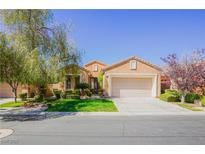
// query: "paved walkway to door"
[[147, 106]]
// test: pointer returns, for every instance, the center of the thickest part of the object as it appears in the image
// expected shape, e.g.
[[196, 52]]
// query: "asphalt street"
[[111, 130]]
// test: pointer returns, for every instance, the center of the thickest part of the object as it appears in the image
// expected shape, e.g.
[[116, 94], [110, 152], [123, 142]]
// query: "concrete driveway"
[[147, 106]]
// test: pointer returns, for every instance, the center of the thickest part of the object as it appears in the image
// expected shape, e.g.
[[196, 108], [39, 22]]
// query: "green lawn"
[[189, 107], [77, 105], [11, 104]]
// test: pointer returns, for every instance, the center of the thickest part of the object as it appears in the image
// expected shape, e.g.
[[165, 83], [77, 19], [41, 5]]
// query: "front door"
[[94, 85]]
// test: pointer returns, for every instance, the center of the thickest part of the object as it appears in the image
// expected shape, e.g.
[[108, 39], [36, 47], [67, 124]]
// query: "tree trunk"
[[183, 98], [15, 94]]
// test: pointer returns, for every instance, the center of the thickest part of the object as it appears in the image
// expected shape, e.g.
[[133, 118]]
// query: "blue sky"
[[112, 35]]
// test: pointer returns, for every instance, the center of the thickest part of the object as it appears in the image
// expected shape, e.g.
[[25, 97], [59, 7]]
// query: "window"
[[94, 83], [95, 68], [68, 82], [133, 64]]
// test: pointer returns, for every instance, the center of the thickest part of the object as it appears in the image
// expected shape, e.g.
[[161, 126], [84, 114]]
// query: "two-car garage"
[[131, 87], [132, 77]]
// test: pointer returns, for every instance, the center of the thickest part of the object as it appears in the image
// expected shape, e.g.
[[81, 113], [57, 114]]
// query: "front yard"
[[77, 105], [73, 105]]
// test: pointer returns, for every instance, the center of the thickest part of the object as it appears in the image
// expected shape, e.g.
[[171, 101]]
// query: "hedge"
[[57, 93], [203, 101], [169, 97], [23, 96], [190, 97]]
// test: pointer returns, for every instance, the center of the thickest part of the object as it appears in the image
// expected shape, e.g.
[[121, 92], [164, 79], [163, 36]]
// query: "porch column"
[[103, 81], [154, 86], [110, 85], [158, 85], [65, 85]]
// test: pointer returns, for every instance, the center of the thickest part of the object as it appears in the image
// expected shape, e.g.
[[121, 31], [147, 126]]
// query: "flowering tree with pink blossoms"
[[186, 74]]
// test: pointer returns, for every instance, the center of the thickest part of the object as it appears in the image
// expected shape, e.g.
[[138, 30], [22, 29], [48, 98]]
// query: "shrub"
[[202, 99], [170, 91], [94, 91], [69, 92], [66, 94], [88, 92], [57, 93], [75, 97], [63, 95], [190, 97], [172, 95], [38, 97], [168, 97], [173, 92], [50, 99], [101, 92], [23, 96], [30, 100], [76, 92], [82, 86]]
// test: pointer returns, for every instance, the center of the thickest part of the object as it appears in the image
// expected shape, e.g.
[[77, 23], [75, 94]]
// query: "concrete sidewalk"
[[5, 100]]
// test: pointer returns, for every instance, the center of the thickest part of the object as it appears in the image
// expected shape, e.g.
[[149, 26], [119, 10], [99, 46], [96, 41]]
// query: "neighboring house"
[[6, 90], [132, 77]]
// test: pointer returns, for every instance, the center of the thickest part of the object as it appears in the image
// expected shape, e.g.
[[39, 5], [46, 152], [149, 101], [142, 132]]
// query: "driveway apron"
[[147, 106]]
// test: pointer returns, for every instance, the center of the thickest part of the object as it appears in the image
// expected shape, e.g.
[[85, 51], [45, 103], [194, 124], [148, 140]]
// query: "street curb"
[[60, 114]]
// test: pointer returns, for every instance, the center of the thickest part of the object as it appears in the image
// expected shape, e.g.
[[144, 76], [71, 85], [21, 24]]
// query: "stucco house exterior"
[[95, 68], [131, 77]]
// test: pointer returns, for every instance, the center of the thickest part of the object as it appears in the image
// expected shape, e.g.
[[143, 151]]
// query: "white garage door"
[[131, 87]]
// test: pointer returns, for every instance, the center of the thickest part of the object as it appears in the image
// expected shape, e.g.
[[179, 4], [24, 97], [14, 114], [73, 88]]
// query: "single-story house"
[[132, 77]]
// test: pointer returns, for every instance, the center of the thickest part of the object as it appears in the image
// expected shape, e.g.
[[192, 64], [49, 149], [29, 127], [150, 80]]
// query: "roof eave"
[[130, 58]]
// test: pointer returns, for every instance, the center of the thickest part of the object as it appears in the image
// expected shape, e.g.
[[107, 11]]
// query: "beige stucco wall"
[[84, 77], [6, 90], [90, 68], [124, 68], [141, 68]]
